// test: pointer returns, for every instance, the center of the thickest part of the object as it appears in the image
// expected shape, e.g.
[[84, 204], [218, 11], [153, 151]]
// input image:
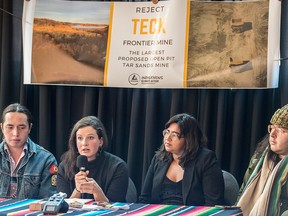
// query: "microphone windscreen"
[[64, 207], [82, 162]]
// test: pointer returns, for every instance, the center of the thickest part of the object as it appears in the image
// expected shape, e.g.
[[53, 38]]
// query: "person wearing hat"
[[265, 187]]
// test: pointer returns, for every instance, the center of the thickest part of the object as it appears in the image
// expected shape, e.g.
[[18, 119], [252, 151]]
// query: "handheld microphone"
[[82, 162]]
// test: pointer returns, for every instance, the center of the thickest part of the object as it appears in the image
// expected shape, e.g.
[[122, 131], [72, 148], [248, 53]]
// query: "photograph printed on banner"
[[69, 42]]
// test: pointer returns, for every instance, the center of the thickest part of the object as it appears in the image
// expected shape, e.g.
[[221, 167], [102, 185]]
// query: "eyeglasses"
[[173, 134], [278, 130]]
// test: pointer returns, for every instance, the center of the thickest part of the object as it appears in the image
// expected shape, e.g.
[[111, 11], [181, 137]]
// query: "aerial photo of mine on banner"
[[171, 44]]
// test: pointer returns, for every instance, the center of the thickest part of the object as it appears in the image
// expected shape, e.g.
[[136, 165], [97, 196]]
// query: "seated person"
[[106, 176], [27, 170], [265, 188], [183, 171]]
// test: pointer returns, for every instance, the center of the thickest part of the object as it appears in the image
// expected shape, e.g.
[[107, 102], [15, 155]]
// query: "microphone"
[[82, 162]]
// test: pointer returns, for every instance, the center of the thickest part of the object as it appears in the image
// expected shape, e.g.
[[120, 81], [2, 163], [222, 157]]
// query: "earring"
[[100, 150]]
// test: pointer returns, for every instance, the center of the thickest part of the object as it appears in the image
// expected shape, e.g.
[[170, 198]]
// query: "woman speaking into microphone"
[[86, 170]]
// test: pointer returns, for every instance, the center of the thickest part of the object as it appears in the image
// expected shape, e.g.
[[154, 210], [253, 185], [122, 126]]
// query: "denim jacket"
[[36, 176]]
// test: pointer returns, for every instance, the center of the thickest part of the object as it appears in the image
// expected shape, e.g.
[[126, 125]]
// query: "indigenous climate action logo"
[[134, 79]]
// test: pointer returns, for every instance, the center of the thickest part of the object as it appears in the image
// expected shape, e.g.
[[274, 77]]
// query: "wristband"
[[77, 190]]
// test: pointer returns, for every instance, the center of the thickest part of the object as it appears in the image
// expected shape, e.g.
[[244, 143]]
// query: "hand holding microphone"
[[81, 176], [85, 184]]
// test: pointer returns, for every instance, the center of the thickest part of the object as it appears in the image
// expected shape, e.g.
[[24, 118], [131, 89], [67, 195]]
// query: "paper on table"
[[82, 201], [107, 207]]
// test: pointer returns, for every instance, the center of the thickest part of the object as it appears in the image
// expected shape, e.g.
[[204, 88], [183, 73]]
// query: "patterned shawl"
[[261, 195]]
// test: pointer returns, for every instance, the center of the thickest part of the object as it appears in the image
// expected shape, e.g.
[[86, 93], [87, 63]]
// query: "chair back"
[[131, 195], [231, 188]]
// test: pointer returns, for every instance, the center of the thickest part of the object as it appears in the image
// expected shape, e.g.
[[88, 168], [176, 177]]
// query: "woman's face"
[[173, 142], [279, 140], [88, 142]]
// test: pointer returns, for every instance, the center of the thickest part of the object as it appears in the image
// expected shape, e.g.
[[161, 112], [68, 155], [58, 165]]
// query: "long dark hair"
[[193, 135], [69, 158], [262, 145]]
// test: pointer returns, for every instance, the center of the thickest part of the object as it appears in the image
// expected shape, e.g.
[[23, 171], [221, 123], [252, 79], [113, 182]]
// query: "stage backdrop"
[[172, 44]]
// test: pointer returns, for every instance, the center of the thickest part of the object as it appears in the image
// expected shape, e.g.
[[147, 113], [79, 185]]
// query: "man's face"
[[15, 129], [279, 140]]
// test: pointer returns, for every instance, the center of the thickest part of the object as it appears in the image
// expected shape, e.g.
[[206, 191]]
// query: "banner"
[[171, 44], [147, 45]]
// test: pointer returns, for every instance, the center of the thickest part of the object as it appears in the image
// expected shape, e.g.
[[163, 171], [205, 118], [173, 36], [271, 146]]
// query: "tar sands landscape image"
[[228, 44], [69, 43]]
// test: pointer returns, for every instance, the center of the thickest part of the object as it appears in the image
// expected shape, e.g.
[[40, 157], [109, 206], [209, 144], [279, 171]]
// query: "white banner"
[[147, 44], [171, 44]]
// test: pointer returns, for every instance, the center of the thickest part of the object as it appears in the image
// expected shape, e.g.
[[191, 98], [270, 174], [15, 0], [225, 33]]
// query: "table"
[[17, 207]]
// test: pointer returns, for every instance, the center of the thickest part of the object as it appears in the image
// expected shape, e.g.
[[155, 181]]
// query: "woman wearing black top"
[[106, 176], [183, 171]]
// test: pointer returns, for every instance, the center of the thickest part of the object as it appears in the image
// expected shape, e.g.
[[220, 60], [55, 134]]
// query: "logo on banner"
[[134, 79]]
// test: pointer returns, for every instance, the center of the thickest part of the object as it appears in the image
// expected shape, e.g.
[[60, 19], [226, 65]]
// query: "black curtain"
[[233, 119]]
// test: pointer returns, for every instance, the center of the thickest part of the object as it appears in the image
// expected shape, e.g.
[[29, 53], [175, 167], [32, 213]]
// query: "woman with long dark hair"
[[183, 171], [106, 176]]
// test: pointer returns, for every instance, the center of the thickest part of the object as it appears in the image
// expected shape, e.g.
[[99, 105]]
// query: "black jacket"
[[202, 185]]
